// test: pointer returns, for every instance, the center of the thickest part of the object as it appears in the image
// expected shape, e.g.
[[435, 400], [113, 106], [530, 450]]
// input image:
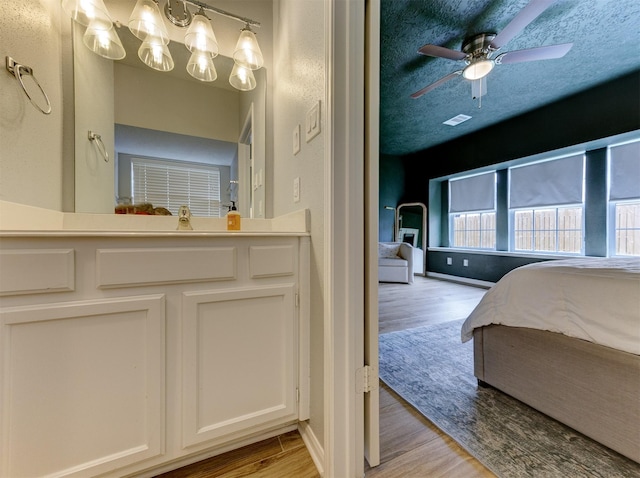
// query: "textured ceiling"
[[605, 33]]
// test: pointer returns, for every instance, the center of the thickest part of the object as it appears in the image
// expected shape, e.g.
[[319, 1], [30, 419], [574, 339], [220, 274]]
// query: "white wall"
[[31, 152], [299, 74], [147, 99]]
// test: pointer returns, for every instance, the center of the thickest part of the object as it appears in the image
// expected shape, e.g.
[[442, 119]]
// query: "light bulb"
[[242, 78], [104, 41], [201, 66], [87, 12], [146, 21], [247, 52], [155, 54], [200, 36]]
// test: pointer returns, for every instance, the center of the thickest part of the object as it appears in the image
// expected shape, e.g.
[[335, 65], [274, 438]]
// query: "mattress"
[[594, 299]]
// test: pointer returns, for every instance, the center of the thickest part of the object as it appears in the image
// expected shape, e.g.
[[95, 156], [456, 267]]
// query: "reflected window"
[[171, 184]]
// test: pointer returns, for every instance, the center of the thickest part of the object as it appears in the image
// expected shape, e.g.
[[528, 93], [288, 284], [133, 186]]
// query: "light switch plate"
[[296, 190], [312, 128], [296, 139]]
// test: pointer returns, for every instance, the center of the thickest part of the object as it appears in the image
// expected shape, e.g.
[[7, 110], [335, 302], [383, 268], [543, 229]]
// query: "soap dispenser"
[[233, 218]]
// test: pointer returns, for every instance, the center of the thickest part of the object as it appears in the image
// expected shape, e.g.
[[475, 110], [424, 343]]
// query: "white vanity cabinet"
[[134, 353]]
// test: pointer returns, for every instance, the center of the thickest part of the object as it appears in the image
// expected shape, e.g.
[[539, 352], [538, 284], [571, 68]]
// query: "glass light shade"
[[247, 52], [155, 54], [242, 78], [201, 67], [478, 69], [86, 12], [104, 41], [200, 36], [145, 21]]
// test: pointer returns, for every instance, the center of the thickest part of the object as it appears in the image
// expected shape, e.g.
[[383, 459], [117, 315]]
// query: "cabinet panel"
[[271, 261], [239, 361], [82, 386], [134, 267], [35, 271]]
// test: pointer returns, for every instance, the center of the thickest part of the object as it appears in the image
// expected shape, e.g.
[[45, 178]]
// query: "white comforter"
[[591, 299]]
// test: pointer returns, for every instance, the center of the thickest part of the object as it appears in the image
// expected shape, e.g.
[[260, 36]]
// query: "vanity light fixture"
[[155, 54], [147, 25], [242, 78], [146, 22], [201, 66], [247, 52], [85, 12], [103, 40]]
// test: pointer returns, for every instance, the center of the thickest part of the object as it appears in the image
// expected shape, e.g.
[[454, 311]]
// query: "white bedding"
[[591, 299]]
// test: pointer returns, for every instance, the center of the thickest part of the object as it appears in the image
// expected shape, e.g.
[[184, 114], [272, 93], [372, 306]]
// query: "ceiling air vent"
[[456, 120]]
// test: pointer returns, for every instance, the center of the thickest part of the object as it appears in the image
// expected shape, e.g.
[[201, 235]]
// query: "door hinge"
[[366, 379], [297, 299], [297, 395]]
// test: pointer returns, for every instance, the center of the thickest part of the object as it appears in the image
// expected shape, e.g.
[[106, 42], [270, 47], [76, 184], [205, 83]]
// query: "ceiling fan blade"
[[533, 54], [430, 87], [520, 21], [441, 52]]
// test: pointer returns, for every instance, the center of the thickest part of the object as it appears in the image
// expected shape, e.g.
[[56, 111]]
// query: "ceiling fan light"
[[478, 69]]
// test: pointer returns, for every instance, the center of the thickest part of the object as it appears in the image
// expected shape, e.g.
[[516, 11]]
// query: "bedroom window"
[[548, 230], [472, 211], [624, 199], [171, 184], [546, 206]]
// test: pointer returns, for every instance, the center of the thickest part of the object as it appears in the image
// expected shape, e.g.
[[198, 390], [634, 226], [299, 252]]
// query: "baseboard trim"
[[462, 280], [313, 445]]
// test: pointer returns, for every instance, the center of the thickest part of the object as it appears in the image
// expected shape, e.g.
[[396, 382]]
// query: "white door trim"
[[344, 238]]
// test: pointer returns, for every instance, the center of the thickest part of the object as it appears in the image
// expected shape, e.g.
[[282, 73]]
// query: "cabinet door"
[[239, 362], [83, 386]]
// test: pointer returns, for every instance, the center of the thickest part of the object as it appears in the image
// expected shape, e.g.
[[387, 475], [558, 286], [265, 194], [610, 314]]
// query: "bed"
[[563, 336]]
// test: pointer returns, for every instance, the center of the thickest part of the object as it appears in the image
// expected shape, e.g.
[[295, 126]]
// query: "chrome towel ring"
[[19, 71], [99, 144]]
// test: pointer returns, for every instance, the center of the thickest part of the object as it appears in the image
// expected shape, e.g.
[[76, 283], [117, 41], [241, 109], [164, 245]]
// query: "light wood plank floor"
[[411, 446]]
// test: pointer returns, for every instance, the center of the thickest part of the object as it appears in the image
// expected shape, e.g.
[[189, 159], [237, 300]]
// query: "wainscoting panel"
[[271, 261], [82, 386], [36, 271], [239, 362], [135, 267]]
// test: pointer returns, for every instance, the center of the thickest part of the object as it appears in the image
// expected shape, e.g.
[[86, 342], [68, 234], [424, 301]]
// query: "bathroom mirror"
[[411, 227], [40, 152], [164, 115]]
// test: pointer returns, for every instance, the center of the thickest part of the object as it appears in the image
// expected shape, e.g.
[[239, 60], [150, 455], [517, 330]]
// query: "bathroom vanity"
[[134, 351]]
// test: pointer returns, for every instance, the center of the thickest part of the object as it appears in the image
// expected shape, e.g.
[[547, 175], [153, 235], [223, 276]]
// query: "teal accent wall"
[[391, 189], [596, 203], [607, 110]]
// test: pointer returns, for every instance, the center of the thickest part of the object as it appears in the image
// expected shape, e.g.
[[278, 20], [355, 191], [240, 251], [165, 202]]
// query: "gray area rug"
[[432, 370]]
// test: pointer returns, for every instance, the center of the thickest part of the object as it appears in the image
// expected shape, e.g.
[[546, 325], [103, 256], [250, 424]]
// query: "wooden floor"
[[410, 445]]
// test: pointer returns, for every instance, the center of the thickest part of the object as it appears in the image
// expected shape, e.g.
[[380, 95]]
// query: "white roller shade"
[[548, 183], [624, 171], [473, 193]]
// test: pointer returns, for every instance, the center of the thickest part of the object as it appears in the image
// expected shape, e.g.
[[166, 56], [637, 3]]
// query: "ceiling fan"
[[477, 51]]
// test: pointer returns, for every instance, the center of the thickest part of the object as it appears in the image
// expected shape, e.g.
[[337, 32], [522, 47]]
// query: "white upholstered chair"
[[395, 262]]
